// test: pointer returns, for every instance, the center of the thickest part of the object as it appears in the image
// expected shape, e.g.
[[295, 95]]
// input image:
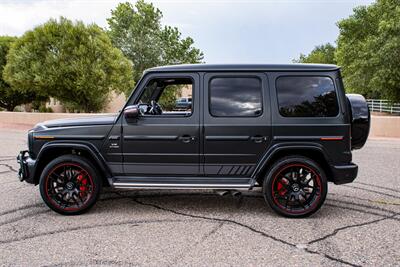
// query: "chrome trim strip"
[[179, 186]]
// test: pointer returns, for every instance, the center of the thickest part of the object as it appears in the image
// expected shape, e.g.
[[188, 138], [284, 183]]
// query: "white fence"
[[379, 105]]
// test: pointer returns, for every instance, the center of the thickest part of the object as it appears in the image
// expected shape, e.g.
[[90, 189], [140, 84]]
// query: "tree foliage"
[[369, 50], [320, 54], [137, 31], [70, 61], [10, 97]]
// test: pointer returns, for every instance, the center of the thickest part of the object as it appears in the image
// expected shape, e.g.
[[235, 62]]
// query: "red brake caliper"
[[281, 186], [280, 191], [83, 183]]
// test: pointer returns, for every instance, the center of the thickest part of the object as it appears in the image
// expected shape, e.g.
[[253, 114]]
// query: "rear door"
[[237, 122], [307, 109]]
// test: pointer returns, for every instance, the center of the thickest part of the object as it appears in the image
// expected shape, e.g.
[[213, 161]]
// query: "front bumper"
[[26, 167], [344, 174]]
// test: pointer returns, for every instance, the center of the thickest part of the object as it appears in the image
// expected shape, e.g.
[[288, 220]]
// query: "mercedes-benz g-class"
[[288, 129]]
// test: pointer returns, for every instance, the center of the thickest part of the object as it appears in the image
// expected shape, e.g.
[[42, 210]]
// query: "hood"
[[79, 121]]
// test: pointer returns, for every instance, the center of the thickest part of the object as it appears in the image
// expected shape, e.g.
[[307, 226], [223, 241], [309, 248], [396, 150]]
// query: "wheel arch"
[[312, 151], [53, 150]]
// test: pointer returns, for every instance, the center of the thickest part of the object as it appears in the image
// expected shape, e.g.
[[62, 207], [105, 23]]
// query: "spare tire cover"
[[360, 120]]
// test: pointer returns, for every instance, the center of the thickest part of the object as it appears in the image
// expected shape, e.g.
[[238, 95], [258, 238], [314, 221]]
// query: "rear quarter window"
[[306, 96]]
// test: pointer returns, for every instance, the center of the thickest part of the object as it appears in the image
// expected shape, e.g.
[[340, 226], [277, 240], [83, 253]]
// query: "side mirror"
[[131, 113]]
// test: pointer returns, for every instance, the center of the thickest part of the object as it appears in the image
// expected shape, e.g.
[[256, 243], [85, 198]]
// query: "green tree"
[[70, 61], [9, 96], [369, 50], [320, 54], [138, 32]]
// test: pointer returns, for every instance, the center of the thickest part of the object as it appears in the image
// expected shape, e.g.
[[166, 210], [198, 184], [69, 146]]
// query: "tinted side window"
[[170, 94], [306, 97], [233, 97]]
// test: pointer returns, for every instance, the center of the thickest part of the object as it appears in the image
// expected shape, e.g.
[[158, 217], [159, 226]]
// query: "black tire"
[[67, 179], [287, 183]]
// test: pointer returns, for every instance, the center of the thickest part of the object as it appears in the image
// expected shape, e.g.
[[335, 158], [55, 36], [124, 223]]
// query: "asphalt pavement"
[[359, 225]]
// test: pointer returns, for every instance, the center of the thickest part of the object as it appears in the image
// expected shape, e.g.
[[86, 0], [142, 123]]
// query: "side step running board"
[[180, 186], [181, 183]]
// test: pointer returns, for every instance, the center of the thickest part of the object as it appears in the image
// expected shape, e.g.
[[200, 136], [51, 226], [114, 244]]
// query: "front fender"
[[83, 146]]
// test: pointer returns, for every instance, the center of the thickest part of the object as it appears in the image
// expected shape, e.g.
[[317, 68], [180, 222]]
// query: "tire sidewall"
[[267, 185], [83, 163]]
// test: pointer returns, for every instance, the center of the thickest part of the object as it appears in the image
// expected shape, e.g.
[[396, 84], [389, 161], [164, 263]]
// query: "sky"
[[253, 31]]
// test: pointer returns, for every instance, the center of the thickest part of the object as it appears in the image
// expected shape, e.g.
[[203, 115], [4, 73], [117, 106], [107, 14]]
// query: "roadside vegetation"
[[367, 49], [9, 96], [72, 62], [138, 32], [80, 65]]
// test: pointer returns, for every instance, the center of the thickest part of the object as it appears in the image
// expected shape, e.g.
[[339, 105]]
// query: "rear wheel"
[[295, 186], [70, 185]]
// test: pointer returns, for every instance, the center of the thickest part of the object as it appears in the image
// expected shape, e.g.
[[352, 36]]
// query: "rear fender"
[[270, 156]]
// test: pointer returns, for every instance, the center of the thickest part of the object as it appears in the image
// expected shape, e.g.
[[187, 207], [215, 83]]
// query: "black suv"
[[286, 128]]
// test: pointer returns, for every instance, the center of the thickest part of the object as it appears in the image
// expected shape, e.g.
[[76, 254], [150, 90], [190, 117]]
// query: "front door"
[[237, 123], [164, 141]]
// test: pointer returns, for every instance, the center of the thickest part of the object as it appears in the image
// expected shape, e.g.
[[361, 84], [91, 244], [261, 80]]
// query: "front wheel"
[[295, 187], [70, 185]]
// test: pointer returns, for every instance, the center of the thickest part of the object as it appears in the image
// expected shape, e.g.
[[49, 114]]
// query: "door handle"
[[259, 139], [187, 138]]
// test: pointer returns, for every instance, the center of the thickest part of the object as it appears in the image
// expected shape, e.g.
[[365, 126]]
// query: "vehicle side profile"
[[287, 129]]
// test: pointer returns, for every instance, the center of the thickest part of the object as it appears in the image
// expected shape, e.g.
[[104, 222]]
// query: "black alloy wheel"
[[70, 185], [295, 187]]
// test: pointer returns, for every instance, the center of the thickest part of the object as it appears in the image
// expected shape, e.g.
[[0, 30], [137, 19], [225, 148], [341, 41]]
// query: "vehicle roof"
[[245, 67]]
